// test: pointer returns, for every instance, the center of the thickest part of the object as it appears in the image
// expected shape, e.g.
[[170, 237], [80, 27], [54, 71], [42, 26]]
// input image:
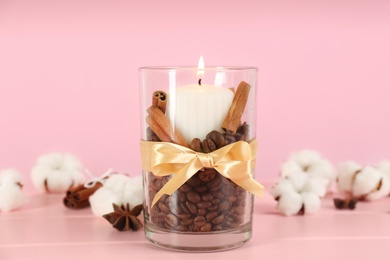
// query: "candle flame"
[[200, 68]]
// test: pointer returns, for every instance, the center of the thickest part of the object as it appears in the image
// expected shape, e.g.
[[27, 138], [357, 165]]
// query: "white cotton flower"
[[56, 172], [299, 193], [288, 167], [101, 201], [290, 203], [347, 171], [11, 195], [298, 180], [281, 187], [134, 192], [370, 183], [305, 158], [117, 182], [384, 166], [119, 189], [316, 185], [311, 163], [311, 202]]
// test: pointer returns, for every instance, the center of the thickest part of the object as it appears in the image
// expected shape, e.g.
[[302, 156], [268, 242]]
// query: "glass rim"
[[194, 68]]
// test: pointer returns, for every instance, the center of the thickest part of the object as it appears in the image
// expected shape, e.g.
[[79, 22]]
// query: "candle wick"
[[200, 82]]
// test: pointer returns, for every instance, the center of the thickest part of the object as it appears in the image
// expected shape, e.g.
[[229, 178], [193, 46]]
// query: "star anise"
[[124, 219]]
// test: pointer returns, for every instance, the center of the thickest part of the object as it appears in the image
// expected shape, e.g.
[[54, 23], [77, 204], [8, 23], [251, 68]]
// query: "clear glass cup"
[[208, 212]]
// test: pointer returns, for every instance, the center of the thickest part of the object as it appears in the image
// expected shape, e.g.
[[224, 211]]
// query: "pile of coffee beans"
[[206, 202]]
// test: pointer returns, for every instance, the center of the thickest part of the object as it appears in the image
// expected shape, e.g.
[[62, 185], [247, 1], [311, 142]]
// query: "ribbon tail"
[[183, 175]]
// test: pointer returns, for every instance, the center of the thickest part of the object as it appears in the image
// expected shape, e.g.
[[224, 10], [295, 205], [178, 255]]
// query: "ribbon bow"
[[234, 161]]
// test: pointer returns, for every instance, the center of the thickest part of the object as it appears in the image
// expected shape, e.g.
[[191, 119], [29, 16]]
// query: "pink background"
[[69, 79]]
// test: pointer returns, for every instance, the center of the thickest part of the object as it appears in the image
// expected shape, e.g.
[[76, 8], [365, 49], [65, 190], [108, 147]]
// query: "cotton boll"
[[384, 166], [383, 189], [11, 195], [316, 185], [288, 167], [311, 163], [305, 158], [366, 181], [322, 168], [311, 201], [101, 201], [290, 203], [117, 182], [347, 171], [59, 181], [119, 189], [133, 192], [56, 172], [298, 180], [63, 161], [10, 176], [38, 176], [281, 187]]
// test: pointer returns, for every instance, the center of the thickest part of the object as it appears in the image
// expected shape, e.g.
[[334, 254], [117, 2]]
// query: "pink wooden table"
[[45, 229]]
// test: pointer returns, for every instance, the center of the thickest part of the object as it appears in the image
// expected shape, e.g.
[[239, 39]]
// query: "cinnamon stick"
[[77, 197], [161, 126], [233, 118], [85, 193], [159, 100]]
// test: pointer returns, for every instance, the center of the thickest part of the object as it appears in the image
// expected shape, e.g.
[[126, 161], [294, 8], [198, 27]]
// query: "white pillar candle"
[[195, 110]]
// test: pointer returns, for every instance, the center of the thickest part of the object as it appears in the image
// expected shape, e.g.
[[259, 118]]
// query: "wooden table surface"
[[45, 229]]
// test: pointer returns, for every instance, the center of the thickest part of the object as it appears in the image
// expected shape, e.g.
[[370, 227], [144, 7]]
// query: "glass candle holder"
[[198, 129]]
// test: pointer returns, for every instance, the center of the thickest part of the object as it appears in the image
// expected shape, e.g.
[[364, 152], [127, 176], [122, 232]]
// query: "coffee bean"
[[206, 227], [182, 228], [213, 208], [194, 181], [232, 199], [207, 196], [160, 217], [217, 138], [191, 207], [171, 220], [196, 145], [207, 175], [214, 183], [182, 197], [199, 221], [211, 215], [187, 221], [204, 204], [185, 188], [184, 208], [164, 208], [228, 191], [193, 197], [183, 216], [223, 206], [218, 220], [240, 210], [208, 146], [216, 201], [201, 188], [219, 195], [218, 228], [202, 212], [229, 139]]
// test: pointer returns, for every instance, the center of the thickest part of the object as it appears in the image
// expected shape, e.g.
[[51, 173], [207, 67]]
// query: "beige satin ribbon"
[[234, 161]]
